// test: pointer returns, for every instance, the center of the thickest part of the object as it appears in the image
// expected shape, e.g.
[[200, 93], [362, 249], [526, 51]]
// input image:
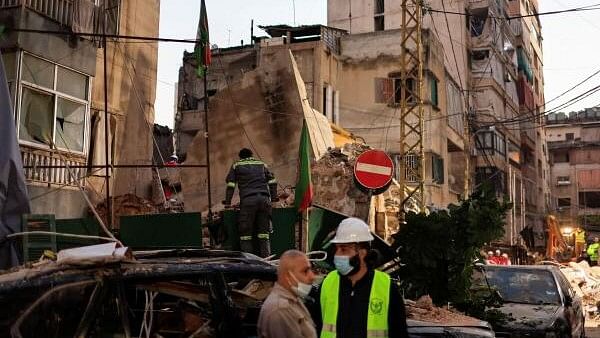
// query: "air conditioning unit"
[[563, 182]]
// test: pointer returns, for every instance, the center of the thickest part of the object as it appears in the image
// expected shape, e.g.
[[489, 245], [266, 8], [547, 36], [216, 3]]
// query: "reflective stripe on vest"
[[379, 301]]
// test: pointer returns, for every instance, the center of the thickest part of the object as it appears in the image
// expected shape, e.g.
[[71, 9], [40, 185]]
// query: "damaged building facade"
[[574, 146], [57, 87], [475, 79]]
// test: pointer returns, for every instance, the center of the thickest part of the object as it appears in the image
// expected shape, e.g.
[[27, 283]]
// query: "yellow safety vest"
[[580, 236], [379, 303]]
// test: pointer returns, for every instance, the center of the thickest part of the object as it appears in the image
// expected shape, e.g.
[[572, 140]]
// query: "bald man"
[[283, 314]]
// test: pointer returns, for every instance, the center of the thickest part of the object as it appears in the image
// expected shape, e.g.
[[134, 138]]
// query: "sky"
[[570, 41]]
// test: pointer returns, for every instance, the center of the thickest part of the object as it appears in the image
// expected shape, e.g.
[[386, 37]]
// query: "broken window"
[[477, 25], [37, 113], [493, 176], [379, 23], [411, 162], [569, 136], [490, 142], [54, 111], [407, 89], [563, 180]]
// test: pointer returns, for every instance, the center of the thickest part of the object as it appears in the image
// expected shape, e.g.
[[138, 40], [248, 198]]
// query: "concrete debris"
[[585, 280], [424, 310], [94, 254], [126, 205], [333, 180]]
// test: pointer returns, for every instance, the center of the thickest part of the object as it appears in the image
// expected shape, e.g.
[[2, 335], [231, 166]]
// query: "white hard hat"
[[174, 156], [352, 230]]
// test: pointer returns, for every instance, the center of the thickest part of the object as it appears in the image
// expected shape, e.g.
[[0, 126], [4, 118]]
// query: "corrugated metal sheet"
[[589, 179]]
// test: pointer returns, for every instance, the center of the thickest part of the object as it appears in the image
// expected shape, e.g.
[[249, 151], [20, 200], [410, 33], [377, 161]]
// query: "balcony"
[[60, 11], [32, 158]]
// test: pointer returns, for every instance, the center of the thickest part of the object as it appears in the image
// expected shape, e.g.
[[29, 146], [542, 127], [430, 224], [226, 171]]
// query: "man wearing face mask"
[[283, 313], [357, 301]]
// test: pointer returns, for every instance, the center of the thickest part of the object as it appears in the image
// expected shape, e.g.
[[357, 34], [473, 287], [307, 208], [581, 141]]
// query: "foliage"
[[439, 249]]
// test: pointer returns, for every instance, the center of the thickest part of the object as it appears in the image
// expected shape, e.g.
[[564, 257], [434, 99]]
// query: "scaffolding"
[[412, 165]]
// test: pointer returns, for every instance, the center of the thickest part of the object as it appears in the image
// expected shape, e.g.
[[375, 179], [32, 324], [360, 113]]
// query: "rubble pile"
[[126, 205], [585, 280], [424, 310], [333, 181]]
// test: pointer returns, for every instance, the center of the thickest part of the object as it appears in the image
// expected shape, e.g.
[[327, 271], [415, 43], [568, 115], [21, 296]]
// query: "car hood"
[[478, 329], [529, 316]]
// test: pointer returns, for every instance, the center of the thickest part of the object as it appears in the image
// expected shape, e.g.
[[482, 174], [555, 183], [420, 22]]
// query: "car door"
[[574, 310]]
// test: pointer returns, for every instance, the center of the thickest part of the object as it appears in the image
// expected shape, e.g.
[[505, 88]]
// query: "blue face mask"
[[342, 264]]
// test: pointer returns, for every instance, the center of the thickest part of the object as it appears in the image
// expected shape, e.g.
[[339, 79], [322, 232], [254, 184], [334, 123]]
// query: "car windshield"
[[524, 286]]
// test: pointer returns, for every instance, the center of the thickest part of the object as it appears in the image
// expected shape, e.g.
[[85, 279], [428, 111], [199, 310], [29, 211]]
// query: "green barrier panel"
[[321, 223], [283, 238], [77, 226], [33, 246], [162, 231]]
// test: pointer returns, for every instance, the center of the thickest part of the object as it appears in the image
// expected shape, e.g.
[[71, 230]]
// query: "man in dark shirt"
[[257, 188], [356, 300]]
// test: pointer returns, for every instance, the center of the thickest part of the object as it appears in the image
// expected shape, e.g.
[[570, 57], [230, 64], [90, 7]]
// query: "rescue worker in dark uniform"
[[257, 188]]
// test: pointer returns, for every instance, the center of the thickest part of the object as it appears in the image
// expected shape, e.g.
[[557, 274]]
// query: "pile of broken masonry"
[[585, 280]]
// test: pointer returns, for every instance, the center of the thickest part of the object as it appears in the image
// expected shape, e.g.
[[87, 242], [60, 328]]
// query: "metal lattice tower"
[[412, 165]]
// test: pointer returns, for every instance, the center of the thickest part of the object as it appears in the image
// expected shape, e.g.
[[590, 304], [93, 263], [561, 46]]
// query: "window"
[[437, 169], [514, 153], [54, 105], [490, 142], [379, 23], [569, 136], [563, 180], [589, 199], [389, 90], [433, 83], [379, 6], [324, 109], [493, 176], [564, 202], [561, 157], [454, 106]]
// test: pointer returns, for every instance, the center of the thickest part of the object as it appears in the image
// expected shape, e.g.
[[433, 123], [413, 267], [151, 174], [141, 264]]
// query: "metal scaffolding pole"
[[412, 165]]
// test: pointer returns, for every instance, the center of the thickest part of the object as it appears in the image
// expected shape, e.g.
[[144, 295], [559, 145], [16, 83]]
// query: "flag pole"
[[207, 143]]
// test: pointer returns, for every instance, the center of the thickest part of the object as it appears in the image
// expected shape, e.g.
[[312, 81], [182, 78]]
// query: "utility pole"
[[106, 124], [412, 124]]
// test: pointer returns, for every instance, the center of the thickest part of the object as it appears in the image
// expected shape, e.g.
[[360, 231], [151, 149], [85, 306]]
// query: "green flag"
[[202, 48], [304, 188]]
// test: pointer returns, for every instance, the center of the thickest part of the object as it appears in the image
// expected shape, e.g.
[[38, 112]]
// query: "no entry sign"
[[373, 169]]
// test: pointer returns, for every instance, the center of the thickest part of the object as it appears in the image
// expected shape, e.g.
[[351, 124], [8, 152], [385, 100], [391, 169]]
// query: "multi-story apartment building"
[[56, 80], [574, 146]]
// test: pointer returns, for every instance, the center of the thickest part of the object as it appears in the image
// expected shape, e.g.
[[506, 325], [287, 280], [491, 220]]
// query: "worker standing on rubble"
[[579, 241], [592, 251], [356, 300], [257, 189], [283, 314]]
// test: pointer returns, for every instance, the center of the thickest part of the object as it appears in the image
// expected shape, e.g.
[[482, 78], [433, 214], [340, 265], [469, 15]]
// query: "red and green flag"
[[202, 49], [304, 188]]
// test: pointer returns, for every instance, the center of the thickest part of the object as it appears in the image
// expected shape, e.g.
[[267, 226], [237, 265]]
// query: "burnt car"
[[168, 293], [537, 301]]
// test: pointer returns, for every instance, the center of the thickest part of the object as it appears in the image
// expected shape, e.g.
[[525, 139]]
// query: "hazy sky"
[[570, 40]]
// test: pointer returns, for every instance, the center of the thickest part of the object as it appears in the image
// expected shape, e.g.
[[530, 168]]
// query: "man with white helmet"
[[356, 300]]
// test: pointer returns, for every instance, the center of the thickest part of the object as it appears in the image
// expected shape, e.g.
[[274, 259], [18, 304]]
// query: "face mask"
[[302, 289], [342, 264]]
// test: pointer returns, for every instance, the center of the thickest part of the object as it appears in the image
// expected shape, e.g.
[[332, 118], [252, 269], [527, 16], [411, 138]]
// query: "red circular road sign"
[[373, 169]]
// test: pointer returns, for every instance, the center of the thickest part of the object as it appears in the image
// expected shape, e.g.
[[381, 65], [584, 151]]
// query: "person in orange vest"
[[580, 237]]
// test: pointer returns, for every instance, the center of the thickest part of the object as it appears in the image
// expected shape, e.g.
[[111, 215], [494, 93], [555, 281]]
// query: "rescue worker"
[[355, 300], [283, 314], [592, 251], [257, 189], [579, 240]]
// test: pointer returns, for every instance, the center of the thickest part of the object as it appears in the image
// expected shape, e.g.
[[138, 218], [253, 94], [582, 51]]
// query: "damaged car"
[[536, 301], [167, 293]]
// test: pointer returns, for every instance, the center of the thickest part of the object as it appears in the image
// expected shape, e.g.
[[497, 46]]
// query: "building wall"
[[131, 94]]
